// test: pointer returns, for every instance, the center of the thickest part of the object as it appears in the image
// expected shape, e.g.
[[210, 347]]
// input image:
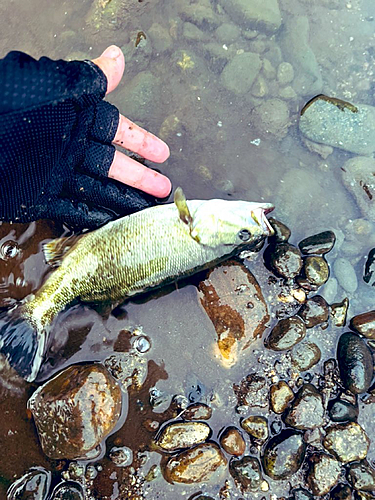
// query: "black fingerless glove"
[[55, 144]]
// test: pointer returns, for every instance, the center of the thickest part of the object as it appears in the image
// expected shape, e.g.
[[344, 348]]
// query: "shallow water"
[[218, 149]]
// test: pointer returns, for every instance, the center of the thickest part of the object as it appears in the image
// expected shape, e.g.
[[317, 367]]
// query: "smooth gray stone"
[[339, 126]]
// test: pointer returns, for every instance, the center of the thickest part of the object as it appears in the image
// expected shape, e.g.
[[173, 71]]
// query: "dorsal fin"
[[55, 250], [183, 209]]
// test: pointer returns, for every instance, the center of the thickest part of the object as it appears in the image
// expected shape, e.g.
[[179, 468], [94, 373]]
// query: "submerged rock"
[[271, 117], [316, 270], [318, 244], [306, 411], [68, 490], [294, 43], [245, 67], [76, 410], [284, 259], [305, 355], [324, 473], [339, 312], [348, 442], [181, 435], [263, 15], [342, 411], [361, 476], [233, 442], [246, 473], [196, 465], [364, 324], [256, 426], [355, 362], [345, 274], [34, 484], [280, 396], [358, 176], [286, 333], [234, 303], [314, 311], [197, 411], [283, 454], [339, 124], [282, 232]]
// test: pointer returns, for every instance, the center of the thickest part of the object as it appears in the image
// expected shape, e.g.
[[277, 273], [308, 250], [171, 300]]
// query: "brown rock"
[[280, 396], [196, 465], [256, 426], [181, 435], [232, 441], [76, 410], [234, 302], [364, 324]]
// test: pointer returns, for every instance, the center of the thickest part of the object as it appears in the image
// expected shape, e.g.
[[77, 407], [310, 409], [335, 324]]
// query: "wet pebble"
[[68, 490], [285, 73], [76, 410], [339, 311], [314, 311], [347, 442], [284, 259], [361, 476], [283, 454], [318, 244], [345, 274], [280, 396], [324, 472], [341, 492], [306, 411], [232, 441], [305, 355], [369, 276], [34, 485], [271, 117], [256, 426], [181, 435], [122, 456], [282, 232], [364, 324], [355, 362], [246, 473], [286, 333], [301, 494], [197, 411], [195, 465], [316, 270], [342, 411]]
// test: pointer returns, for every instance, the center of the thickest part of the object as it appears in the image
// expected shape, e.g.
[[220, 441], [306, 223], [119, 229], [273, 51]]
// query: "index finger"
[[140, 141]]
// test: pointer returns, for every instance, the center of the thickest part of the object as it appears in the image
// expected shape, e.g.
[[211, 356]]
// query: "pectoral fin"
[[183, 209], [55, 250]]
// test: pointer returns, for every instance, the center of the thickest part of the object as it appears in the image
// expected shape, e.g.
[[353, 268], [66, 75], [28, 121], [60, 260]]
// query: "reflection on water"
[[223, 83]]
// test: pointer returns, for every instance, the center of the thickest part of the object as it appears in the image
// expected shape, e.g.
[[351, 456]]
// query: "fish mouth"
[[265, 223]]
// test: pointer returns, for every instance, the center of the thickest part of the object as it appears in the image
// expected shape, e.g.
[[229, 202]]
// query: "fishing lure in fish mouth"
[[128, 256]]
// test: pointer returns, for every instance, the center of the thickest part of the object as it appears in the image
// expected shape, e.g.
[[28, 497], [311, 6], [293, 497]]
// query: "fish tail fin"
[[21, 344]]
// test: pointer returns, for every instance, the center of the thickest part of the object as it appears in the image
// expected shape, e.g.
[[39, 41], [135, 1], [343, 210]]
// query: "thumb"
[[112, 63]]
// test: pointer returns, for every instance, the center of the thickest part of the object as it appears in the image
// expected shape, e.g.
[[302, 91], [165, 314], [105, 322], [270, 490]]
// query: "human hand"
[[57, 156]]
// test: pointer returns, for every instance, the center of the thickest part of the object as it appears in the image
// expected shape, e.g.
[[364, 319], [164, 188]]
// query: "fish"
[[128, 256]]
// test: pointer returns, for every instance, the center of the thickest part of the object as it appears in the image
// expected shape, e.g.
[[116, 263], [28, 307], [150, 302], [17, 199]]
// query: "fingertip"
[[160, 151], [112, 63]]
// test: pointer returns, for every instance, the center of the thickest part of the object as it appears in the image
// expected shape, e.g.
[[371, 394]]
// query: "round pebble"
[[256, 426], [280, 396], [283, 454], [364, 324], [318, 244], [324, 472], [246, 473], [314, 311], [284, 259], [285, 73], [232, 441], [347, 442], [307, 410], [316, 270], [286, 333], [305, 355], [345, 274], [355, 362]]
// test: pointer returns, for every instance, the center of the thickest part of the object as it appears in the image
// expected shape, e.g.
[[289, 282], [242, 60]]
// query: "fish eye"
[[244, 235]]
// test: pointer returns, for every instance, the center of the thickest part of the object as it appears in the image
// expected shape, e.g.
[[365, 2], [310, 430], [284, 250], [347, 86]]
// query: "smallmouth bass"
[[126, 257]]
